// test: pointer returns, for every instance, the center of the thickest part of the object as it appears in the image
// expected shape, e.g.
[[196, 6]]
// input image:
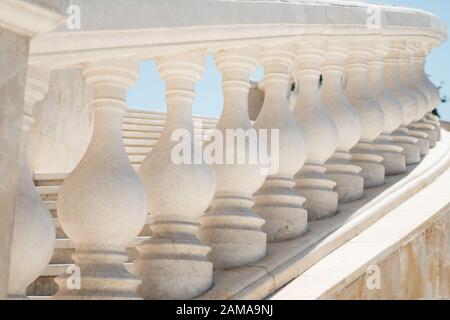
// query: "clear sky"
[[149, 91]]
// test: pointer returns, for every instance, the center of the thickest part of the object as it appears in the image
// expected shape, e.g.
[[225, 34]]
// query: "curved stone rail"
[[367, 142], [286, 261]]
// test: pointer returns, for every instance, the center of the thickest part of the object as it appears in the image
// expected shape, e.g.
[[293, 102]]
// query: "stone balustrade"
[[360, 112]]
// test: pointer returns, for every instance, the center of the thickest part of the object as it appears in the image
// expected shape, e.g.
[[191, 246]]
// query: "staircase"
[[141, 131]]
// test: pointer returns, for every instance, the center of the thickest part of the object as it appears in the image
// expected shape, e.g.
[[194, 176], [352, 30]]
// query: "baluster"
[[350, 185], [276, 201], [34, 232], [372, 118], [406, 77], [102, 203], [393, 159], [434, 91], [402, 136], [320, 133], [230, 227], [173, 263], [407, 98]]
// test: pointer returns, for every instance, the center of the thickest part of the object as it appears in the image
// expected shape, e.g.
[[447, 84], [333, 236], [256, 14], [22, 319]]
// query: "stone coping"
[[352, 260], [138, 14], [289, 259], [163, 27], [25, 18]]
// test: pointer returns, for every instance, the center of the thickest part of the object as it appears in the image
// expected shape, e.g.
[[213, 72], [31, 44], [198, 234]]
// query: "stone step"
[[144, 114], [139, 142], [51, 205], [198, 123], [49, 193], [146, 122], [47, 190], [141, 135], [49, 179], [138, 150], [137, 159], [141, 128]]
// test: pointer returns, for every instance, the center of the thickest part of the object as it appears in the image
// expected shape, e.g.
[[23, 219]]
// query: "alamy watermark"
[[373, 21], [73, 281], [228, 147], [373, 277], [73, 17]]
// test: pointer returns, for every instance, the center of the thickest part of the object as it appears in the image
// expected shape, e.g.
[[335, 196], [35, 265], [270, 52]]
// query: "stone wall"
[[63, 124], [418, 270]]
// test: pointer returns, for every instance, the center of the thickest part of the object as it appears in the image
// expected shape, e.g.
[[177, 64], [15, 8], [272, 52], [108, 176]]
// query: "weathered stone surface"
[[418, 270], [13, 65], [57, 145]]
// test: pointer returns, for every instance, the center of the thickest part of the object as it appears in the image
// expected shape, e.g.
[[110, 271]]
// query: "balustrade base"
[[282, 209], [174, 278], [173, 264], [232, 248], [233, 231], [422, 140], [320, 204], [103, 277], [434, 120], [411, 152], [350, 187], [364, 156], [349, 184], [411, 149], [393, 162], [432, 136], [283, 223], [373, 173], [428, 128], [318, 190]]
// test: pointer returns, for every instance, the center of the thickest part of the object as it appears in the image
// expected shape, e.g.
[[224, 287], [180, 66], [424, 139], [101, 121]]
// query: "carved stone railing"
[[338, 140]]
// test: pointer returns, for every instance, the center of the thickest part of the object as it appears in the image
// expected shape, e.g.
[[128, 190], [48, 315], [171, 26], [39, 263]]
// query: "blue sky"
[[148, 93]]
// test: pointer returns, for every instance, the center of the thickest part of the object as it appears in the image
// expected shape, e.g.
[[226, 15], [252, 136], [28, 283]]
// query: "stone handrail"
[[345, 90]]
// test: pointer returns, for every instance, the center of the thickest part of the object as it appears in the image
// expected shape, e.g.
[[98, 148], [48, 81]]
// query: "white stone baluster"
[[406, 77], [276, 201], [393, 159], [102, 204], [370, 113], [320, 133], [350, 185], [230, 227], [409, 103], [402, 136], [423, 123], [430, 90], [173, 264], [34, 231]]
